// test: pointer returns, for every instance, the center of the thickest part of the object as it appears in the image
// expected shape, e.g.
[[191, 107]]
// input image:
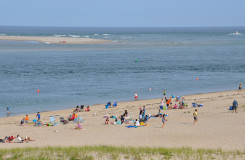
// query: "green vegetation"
[[110, 152]]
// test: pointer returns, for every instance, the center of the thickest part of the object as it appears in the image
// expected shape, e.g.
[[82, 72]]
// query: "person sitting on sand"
[[163, 120], [79, 126], [71, 118], [107, 121], [137, 123], [87, 109], [19, 139], [22, 121], [195, 116], [175, 106], [10, 139]]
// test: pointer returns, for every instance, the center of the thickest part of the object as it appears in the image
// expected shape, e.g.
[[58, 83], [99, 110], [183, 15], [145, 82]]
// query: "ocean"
[[143, 60]]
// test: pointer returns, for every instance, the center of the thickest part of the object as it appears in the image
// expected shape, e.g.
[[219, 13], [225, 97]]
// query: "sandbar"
[[55, 40]]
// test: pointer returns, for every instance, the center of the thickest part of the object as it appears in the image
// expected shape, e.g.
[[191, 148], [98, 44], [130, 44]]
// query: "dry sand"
[[55, 40], [216, 128]]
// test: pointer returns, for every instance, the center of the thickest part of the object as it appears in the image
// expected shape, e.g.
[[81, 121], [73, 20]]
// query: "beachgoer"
[[8, 110], [125, 113], [143, 114], [26, 120], [136, 96], [195, 116], [107, 121], [140, 114], [137, 123], [78, 126], [163, 120], [164, 93], [162, 102], [172, 95], [175, 106], [122, 119], [240, 87], [82, 107], [87, 109], [19, 139], [22, 121], [183, 101], [38, 116], [234, 106]]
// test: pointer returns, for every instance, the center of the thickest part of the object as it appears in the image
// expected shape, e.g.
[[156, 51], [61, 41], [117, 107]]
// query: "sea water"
[[143, 60]]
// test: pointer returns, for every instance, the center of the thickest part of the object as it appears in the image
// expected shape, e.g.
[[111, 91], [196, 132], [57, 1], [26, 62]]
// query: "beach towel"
[[130, 126]]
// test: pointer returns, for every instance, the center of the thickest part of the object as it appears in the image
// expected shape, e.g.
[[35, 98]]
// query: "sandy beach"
[[55, 40], [216, 128]]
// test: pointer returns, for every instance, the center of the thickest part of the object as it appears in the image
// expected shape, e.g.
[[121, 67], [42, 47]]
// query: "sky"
[[123, 13]]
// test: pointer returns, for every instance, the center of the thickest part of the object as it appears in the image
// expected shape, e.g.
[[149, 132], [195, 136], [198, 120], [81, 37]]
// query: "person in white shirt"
[[137, 123]]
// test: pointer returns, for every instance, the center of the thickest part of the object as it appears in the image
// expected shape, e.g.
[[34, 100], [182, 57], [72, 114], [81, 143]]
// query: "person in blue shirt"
[[8, 109], [38, 116], [234, 106]]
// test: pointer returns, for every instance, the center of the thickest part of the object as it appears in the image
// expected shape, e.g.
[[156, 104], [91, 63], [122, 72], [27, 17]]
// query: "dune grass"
[[111, 152]]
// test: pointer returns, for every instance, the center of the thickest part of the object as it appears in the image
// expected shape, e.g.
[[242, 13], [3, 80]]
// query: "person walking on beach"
[[163, 120], [164, 93], [195, 116], [240, 87], [234, 106], [8, 111], [136, 96]]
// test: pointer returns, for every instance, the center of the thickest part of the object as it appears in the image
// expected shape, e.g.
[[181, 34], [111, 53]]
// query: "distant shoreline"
[[55, 40]]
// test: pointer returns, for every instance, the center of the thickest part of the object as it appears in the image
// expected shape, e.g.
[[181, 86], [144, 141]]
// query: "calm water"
[[137, 59]]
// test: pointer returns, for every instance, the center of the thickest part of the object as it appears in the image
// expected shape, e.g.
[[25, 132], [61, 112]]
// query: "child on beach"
[[195, 116], [137, 123], [38, 116], [163, 120], [78, 126], [107, 121], [26, 120], [164, 93]]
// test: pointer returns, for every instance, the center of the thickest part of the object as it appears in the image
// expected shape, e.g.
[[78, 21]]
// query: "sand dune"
[[216, 128]]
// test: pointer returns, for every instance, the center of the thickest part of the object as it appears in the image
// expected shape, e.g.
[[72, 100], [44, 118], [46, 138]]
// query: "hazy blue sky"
[[122, 13]]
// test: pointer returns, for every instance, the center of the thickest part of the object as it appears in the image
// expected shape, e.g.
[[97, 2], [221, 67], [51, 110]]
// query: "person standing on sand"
[[195, 116], [164, 93], [38, 116], [26, 120], [136, 96], [234, 106], [163, 120], [240, 87], [8, 111]]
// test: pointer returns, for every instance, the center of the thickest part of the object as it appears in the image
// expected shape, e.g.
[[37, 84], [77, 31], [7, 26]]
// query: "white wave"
[[59, 35], [105, 34], [96, 34], [235, 34], [74, 36], [2, 34], [86, 36]]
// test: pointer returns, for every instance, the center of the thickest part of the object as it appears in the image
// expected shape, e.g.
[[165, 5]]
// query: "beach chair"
[[115, 104], [62, 119], [109, 103], [194, 104]]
